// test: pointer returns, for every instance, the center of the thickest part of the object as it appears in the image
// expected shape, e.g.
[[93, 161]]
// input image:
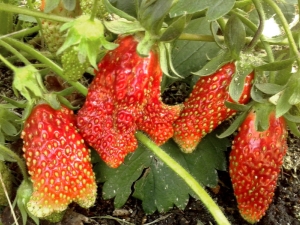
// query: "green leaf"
[[8, 128], [69, 4], [6, 154], [269, 88], [214, 64], [151, 175], [174, 30], [50, 5], [189, 56], [118, 12], [121, 26], [293, 127], [295, 97], [234, 125], [151, 14], [274, 66], [235, 36], [216, 9]]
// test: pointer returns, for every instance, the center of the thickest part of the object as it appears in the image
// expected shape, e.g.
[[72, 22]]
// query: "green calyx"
[[28, 82], [88, 35]]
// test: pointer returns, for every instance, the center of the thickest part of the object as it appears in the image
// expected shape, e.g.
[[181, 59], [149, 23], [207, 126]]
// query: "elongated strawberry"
[[255, 162], [204, 110], [58, 161], [122, 98]]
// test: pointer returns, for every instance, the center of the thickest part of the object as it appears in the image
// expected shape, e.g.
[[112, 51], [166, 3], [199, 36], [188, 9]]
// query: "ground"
[[285, 208]]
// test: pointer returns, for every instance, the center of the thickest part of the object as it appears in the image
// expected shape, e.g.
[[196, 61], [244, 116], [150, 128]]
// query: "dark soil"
[[284, 210]]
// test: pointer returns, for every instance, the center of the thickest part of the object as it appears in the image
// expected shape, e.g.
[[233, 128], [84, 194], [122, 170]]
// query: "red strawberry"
[[204, 110], [255, 162], [116, 100], [58, 161]]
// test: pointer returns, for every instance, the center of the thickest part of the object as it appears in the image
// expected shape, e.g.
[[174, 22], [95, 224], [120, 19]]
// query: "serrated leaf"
[[160, 180], [174, 30], [234, 125], [214, 64], [269, 88], [215, 9], [69, 4], [130, 171], [235, 36], [278, 65], [189, 56]]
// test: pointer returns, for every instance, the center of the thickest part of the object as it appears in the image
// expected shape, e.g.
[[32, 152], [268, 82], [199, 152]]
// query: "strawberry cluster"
[[124, 97]]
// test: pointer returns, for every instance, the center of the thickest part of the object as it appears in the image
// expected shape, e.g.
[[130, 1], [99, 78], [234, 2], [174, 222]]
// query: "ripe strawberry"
[[255, 162], [73, 68], [122, 98], [204, 110], [58, 162]]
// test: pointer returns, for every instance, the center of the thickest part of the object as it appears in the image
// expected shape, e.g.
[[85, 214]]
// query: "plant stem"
[[21, 33], [53, 66], [14, 156], [8, 64], [240, 4], [186, 176], [94, 10], [286, 28], [15, 9], [15, 52], [260, 28]]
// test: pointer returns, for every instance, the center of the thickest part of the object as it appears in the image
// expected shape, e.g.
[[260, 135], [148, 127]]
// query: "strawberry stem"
[[10, 154], [8, 64], [15, 52], [94, 10], [39, 56], [186, 176]]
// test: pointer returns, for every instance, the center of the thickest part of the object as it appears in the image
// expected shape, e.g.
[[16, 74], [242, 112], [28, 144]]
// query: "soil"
[[284, 210]]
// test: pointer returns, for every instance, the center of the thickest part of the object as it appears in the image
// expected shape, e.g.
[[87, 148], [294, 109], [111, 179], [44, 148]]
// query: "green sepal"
[[278, 65], [237, 106], [165, 58], [145, 45], [24, 193], [262, 114], [295, 97], [88, 35], [8, 128], [27, 81], [269, 88], [52, 100], [174, 30], [235, 36], [293, 127], [114, 10], [152, 13], [214, 28], [234, 125], [123, 26], [214, 64], [7, 154], [257, 95], [292, 118]]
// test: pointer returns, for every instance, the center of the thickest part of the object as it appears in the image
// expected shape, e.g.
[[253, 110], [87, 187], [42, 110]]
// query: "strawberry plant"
[[87, 80]]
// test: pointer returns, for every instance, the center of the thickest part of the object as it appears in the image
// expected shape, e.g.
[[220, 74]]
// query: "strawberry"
[[122, 98], [73, 68], [51, 29], [7, 179], [204, 110], [255, 161], [58, 161]]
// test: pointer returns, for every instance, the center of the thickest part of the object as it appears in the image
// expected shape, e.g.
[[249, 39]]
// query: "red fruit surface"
[[58, 161], [205, 108], [255, 162], [123, 97]]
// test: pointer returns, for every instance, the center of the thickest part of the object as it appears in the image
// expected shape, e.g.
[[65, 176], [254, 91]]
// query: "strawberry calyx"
[[88, 35]]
